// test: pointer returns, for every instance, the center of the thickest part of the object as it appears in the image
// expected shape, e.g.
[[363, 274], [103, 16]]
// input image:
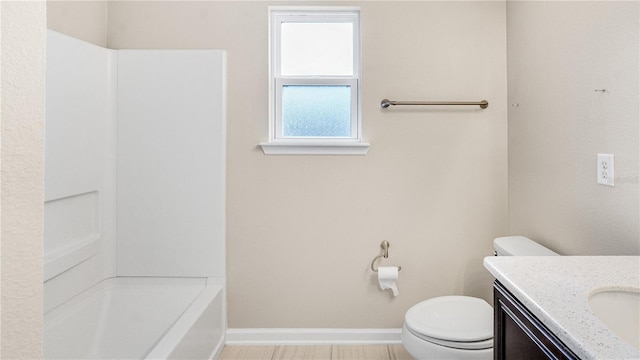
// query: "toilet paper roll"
[[387, 276]]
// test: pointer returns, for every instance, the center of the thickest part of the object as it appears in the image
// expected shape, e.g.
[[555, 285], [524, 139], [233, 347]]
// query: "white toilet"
[[460, 327]]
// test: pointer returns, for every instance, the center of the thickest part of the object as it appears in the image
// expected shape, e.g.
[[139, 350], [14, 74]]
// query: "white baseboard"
[[305, 336]]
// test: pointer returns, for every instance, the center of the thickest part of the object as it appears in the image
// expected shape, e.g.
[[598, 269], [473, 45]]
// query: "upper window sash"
[[278, 17]]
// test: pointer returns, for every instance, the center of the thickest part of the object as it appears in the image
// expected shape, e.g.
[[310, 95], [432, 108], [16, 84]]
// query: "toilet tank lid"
[[520, 246]]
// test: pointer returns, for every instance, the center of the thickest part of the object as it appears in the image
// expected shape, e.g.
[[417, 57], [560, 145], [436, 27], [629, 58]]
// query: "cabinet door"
[[519, 335]]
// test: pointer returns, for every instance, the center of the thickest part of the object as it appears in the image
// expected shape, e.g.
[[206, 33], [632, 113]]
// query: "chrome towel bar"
[[385, 254], [386, 103]]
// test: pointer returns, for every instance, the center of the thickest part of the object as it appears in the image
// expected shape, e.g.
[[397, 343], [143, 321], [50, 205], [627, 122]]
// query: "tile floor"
[[315, 352]]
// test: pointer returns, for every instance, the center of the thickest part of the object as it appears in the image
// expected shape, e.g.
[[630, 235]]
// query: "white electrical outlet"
[[605, 169]]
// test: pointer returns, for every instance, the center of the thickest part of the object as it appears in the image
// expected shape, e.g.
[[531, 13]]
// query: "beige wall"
[[302, 230], [559, 54], [84, 20], [22, 159]]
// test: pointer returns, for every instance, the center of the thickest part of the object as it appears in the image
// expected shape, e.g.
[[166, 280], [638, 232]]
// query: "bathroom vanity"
[[544, 307], [518, 334]]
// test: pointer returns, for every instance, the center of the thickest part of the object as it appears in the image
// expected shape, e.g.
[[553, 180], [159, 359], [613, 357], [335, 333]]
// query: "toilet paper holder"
[[384, 245]]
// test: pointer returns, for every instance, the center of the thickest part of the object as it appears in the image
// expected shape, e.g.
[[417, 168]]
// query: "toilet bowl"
[[449, 327], [460, 327]]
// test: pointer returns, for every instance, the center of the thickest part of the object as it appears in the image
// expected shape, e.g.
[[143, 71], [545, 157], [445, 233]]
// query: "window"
[[314, 82]]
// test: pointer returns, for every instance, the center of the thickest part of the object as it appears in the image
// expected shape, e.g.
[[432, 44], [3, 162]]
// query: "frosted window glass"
[[316, 49], [316, 110]]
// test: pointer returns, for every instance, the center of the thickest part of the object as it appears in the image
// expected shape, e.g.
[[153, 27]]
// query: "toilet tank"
[[520, 246]]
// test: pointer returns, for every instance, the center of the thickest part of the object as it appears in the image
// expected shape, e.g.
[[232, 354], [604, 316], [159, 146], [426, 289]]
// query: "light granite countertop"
[[556, 290]]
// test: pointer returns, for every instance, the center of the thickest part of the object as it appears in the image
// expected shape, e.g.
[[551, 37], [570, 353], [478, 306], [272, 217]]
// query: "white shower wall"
[[135, 165], [171, 156], [80, 167]]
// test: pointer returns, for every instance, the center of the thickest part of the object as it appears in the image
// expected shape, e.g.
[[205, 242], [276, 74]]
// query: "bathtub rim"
[[211, 288]]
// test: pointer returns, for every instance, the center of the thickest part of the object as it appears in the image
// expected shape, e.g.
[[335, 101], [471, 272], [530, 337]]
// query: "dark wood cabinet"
[[519, 335]]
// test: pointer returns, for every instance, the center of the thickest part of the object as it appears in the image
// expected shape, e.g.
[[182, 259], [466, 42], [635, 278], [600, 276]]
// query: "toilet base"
[[424, 350]]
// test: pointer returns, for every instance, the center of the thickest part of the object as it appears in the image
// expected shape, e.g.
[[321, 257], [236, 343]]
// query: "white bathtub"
[[139, 318]]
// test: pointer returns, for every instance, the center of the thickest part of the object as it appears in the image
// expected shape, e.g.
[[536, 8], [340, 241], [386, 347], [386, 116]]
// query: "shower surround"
[[134, 259]]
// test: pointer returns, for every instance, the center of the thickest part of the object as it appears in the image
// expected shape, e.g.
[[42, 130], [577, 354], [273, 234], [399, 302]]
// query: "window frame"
[[280, 144]]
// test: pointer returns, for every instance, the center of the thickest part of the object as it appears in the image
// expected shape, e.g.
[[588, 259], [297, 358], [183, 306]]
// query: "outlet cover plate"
[[605, 169]]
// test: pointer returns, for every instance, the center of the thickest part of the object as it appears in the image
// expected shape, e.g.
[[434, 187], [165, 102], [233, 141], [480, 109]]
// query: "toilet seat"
[[460, 322], [477, 345]]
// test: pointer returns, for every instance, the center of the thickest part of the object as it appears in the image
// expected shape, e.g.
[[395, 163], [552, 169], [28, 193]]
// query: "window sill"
[[319, 148]]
